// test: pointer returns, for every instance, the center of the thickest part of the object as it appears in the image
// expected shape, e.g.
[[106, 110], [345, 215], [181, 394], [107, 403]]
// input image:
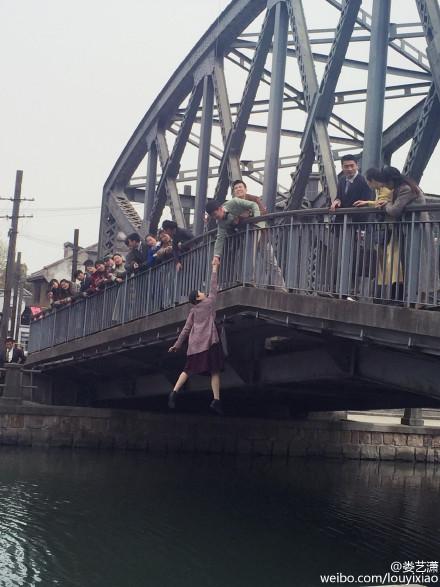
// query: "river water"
[[102, 519]]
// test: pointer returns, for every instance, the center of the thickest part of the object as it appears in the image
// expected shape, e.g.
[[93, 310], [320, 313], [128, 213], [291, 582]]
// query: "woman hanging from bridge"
[[205, 354]]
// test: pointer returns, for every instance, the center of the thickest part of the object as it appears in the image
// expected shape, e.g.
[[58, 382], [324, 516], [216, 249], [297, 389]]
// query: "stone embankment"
[[73, 427]]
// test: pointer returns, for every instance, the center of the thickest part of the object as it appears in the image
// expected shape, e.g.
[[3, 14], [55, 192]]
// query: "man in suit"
[[352, 186], [136, 259], [11, 354]]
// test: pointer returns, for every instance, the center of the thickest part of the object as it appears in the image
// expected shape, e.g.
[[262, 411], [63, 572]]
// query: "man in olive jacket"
[[228, 216]]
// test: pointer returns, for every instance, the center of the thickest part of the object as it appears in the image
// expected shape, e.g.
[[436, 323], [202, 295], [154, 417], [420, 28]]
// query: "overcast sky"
[[76, 79]]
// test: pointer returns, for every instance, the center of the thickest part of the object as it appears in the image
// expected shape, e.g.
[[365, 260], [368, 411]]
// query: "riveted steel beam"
[[372, 155], [275, 106], [402, 46], [225, 116], [429, 12], [426, 137], [319, 102], [235, 139], [150, 187], [294, 95], [203, 161], [170, 187], [171, 164]]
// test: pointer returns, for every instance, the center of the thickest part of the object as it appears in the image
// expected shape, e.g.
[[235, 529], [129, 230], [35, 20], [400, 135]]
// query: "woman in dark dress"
[[205, 353]]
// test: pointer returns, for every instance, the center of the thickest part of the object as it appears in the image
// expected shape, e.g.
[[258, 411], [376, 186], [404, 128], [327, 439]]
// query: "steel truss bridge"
[[267, 95]]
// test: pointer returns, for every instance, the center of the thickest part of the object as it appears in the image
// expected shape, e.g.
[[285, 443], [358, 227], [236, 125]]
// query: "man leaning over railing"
[[228, 216]]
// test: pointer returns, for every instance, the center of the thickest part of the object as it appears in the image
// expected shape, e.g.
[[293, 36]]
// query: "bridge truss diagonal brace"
[[275, 106], [204, 150], [429, 12], [318, 101], [225, 117], [171, 163], [235, 140], [402, 46], [426, 137], [170, 186]]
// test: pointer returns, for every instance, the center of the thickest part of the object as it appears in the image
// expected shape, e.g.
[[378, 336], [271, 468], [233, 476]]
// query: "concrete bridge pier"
[[412, 417], [12, 390]]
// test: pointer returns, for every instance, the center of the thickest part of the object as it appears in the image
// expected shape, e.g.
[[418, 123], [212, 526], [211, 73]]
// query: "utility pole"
[[75, 253], [10, 265], [20, 302], [16, 287]]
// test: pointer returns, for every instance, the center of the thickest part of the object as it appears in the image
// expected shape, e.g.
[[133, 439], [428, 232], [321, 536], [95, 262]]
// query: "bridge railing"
[[358, 255]]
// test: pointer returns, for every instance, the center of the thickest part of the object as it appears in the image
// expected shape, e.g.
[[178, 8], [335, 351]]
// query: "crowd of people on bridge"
[[170, 243], [386, 189]]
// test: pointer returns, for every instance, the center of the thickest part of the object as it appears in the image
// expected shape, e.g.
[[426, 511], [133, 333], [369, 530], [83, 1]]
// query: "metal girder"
[[295, 95], [429, 12], [126, 217], [235, 18], [150, 186], [356, 64], [225, 116], [275, 106], [426, 137], [170, 186], [235, 139], [319, 103], [171, 164], [107, 229], [203, 160], [398, 133], [372, 155], [402, 46]]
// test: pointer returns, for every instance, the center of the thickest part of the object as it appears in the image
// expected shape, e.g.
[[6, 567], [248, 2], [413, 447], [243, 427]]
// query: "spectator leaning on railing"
[[180, 237], [228, 215], [136, 259]]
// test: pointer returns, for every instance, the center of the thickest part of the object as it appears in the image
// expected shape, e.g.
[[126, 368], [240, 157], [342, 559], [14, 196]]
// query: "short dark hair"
[[99, 262], [134, 236], [236, 182], [169, 225], [152, 235], [349, 157], [192, 298], [212, 206], [9, 339], [77, 272], [89, 263]]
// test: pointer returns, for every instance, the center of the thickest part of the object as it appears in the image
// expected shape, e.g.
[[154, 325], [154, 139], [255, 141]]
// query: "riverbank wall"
[[74, 427]]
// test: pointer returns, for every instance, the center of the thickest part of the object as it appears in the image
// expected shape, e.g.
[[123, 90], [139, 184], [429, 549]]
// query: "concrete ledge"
[[387, 324], [71, 427]]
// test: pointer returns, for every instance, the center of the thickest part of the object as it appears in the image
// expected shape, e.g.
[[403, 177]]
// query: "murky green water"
[[96, 519]]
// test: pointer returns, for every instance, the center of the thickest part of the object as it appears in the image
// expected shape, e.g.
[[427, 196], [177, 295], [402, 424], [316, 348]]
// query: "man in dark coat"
[[352, 186], [136, 259], [180, 237], [11, 354]]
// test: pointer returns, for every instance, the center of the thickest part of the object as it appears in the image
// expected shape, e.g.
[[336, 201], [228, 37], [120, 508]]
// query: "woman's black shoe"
[[216, 406], [172, 400]]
